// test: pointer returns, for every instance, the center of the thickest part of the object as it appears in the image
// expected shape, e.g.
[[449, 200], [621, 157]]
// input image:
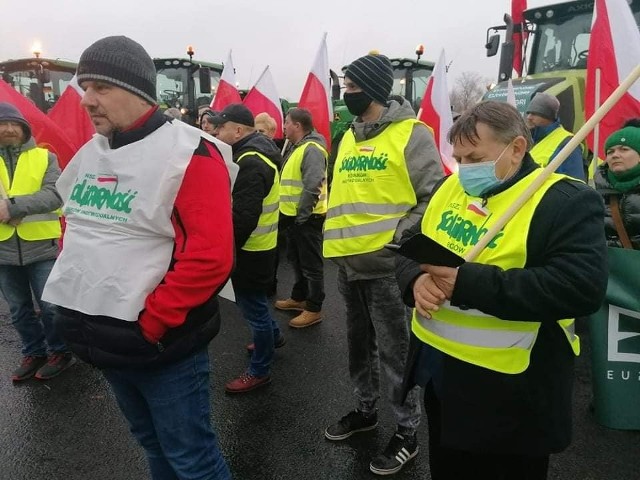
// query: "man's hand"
[[443, 277], [4, 211], [428, 295]]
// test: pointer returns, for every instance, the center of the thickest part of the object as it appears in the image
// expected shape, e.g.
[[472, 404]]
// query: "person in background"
[[147, 247], [493, 339], [206, 125], [256, 196], [29, 233], [549, 136], [303, 207], [618, 181], [266, 124]]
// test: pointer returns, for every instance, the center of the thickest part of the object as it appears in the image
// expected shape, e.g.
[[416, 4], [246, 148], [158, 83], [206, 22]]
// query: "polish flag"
[[72, 117], [614, 51], [435, 111], [226, 93], [47, 134], [316, 93], [517, 15], [263, 97]]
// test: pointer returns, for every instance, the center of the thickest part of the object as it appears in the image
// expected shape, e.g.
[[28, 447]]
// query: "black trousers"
[[451, 464], [304, 243]]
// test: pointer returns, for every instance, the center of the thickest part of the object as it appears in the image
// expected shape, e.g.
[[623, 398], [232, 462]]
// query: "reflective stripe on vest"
[[30, 170], [265, 235], [370, 193], [545, 148], [457, 222], [291, 185]]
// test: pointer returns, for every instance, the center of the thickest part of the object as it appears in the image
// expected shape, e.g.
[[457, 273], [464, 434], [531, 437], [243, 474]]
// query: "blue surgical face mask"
[[478, 178]]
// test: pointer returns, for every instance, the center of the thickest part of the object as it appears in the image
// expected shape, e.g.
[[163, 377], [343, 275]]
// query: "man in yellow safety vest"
[[29, 233], [493, 339]]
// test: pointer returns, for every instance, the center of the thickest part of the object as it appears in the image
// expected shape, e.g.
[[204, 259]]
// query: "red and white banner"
[[47, 134], [226, 93], [614, 51], [435, 111], [517, 15], [72, 117], [263, 97], [316, 94]]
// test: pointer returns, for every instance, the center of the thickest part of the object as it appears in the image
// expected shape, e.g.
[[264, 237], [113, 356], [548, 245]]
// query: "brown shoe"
[[291, 304], [306, 319]]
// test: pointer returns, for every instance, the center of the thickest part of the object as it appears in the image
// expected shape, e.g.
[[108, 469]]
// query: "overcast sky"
[[284, 34]]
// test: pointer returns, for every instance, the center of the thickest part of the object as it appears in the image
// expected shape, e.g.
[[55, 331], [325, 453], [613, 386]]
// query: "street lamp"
[[36, 49]]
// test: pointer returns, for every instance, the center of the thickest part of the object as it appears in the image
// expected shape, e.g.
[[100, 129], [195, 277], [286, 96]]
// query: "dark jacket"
[[629, 204], [565, 276], [14, 250], [181, 314], [254, 271]]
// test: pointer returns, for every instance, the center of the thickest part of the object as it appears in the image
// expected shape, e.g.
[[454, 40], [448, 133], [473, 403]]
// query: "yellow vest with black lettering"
[[545, 148], [291, 186], [457, 222], [265, 235], [370, 192], [27, 179]]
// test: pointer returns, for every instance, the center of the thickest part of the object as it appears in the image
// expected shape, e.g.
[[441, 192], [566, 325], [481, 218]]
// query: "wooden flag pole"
[[554, 164]]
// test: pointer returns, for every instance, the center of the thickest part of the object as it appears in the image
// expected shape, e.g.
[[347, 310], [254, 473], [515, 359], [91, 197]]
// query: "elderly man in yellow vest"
[[549, 136], [29, 233], [493, 339], [303, 207], [385, 169]]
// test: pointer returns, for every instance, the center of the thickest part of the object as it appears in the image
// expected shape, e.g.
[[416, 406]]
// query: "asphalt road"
[[70, 428]]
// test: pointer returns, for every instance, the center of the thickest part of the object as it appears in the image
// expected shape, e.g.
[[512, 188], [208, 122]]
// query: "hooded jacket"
[[14, 250], [424, 167], [254, 271]]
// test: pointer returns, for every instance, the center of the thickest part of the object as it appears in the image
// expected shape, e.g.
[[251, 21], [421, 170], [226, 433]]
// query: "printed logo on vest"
[[98, 196], [464, 231], [364, 163]]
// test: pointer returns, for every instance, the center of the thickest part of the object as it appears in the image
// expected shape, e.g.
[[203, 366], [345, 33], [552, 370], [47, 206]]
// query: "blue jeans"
[[168, 411], [255, 309], [16, 284]]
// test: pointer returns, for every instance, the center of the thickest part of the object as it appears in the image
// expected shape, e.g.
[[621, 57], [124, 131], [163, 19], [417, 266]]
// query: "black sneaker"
[[27, 368], [400, 450], [351, 423], [56, 364]]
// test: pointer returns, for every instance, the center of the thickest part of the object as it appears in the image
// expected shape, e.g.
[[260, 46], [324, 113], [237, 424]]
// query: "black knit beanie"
[[122, 62], [374, 75]]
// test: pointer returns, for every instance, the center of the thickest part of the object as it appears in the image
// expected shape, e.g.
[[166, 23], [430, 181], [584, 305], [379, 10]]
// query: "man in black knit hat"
[[148, 245], [386, 167]]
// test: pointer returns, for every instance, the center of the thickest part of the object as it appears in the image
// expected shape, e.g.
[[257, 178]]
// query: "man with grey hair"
[[148, 245], [493, 339]]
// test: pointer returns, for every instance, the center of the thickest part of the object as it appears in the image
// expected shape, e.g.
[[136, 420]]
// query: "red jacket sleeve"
[[203, 254]]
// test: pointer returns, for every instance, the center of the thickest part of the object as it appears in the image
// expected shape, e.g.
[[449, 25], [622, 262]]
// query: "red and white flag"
[[517, 15], [226, 93], [263, 97], [435, 111], [614, 51], [316, 93], [47, 134], [72, 117]]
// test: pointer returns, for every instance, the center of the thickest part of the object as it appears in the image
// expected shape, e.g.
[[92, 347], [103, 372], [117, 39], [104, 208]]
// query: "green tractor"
[[555, 57]]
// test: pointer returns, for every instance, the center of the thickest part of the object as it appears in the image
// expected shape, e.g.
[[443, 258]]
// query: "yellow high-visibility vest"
[[265, 235], [545, 148], [457, 221], [27, 179], [370, 192], [291, 182]]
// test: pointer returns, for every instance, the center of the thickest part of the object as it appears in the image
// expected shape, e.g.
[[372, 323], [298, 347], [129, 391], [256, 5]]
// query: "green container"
[[615, 342]]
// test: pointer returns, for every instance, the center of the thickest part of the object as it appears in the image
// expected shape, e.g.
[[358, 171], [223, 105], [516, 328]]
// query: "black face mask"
[[357, 103]]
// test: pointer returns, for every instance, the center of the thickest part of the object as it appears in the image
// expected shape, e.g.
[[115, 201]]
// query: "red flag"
[[47, 134], [614, 50], [517, 14], [315, 94], [435, 111], [71, 117], [226, 93], [263, 97]]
